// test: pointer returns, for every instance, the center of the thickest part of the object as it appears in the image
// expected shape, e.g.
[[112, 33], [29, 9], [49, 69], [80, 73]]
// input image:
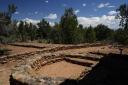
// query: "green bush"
[[9, 39], [4, 51], [43, 41]]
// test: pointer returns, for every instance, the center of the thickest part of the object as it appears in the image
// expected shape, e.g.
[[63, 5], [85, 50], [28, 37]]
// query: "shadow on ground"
[[111, 70]]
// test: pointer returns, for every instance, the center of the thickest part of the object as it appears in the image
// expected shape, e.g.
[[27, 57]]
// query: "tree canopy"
[[67, 31], [123, 15], [103, 32], [69, 26], [122, 35]]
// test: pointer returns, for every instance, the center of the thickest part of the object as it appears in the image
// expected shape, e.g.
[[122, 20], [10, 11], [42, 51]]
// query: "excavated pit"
[[112, 69], [53, 69]]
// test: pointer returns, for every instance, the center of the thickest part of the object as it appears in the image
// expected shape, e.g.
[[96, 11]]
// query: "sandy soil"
[[5, 69], [5, 72], [61, 69], [17, 49], [101, 49], [41, 44]]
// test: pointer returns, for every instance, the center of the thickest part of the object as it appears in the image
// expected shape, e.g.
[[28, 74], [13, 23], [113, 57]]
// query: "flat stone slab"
[[82, 60]]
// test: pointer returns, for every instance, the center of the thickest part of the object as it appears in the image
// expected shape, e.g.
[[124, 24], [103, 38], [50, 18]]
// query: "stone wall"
[[45, 60], [5, 59], [24, 74]]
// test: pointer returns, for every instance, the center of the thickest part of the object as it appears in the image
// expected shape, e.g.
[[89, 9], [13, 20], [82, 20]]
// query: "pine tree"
[[69, 25], [90, 35], [44, 29], [103, 32]]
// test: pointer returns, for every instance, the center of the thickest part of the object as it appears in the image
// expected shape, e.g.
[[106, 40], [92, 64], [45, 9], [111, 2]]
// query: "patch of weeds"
[[4, 51]]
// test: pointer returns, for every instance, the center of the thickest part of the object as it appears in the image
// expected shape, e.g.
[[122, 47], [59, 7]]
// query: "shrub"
[[4, 51], [43, 41]]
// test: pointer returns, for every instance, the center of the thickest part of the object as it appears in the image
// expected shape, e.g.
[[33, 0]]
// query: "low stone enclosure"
[[6, 58], [112, 69], [53, 69], [88, 69]]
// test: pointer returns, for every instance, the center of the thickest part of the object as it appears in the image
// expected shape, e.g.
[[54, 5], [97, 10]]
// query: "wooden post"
[[121, 50]]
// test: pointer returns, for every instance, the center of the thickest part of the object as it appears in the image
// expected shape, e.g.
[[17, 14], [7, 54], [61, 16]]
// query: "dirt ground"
[[41, 44], [61, 69], [100, 49], [5, 69], [17, 49]]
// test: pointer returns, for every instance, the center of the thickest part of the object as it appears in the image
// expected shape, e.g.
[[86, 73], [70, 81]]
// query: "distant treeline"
[[67, 31]]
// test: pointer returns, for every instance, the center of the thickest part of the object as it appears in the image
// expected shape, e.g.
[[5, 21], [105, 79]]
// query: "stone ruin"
[[26, 74], [94, 68]]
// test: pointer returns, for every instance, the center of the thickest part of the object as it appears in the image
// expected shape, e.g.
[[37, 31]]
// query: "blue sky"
[[92, 11]]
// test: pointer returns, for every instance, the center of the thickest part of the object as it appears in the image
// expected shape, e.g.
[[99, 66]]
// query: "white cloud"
[[110, 21], [33, 21], [83, 4], [51, 23], [77, 11], [64, 5], [111, 6], [36, 12], [51, 16], [112, 13], [28, 20], [46, 1], [101, 5], [16, 13]]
